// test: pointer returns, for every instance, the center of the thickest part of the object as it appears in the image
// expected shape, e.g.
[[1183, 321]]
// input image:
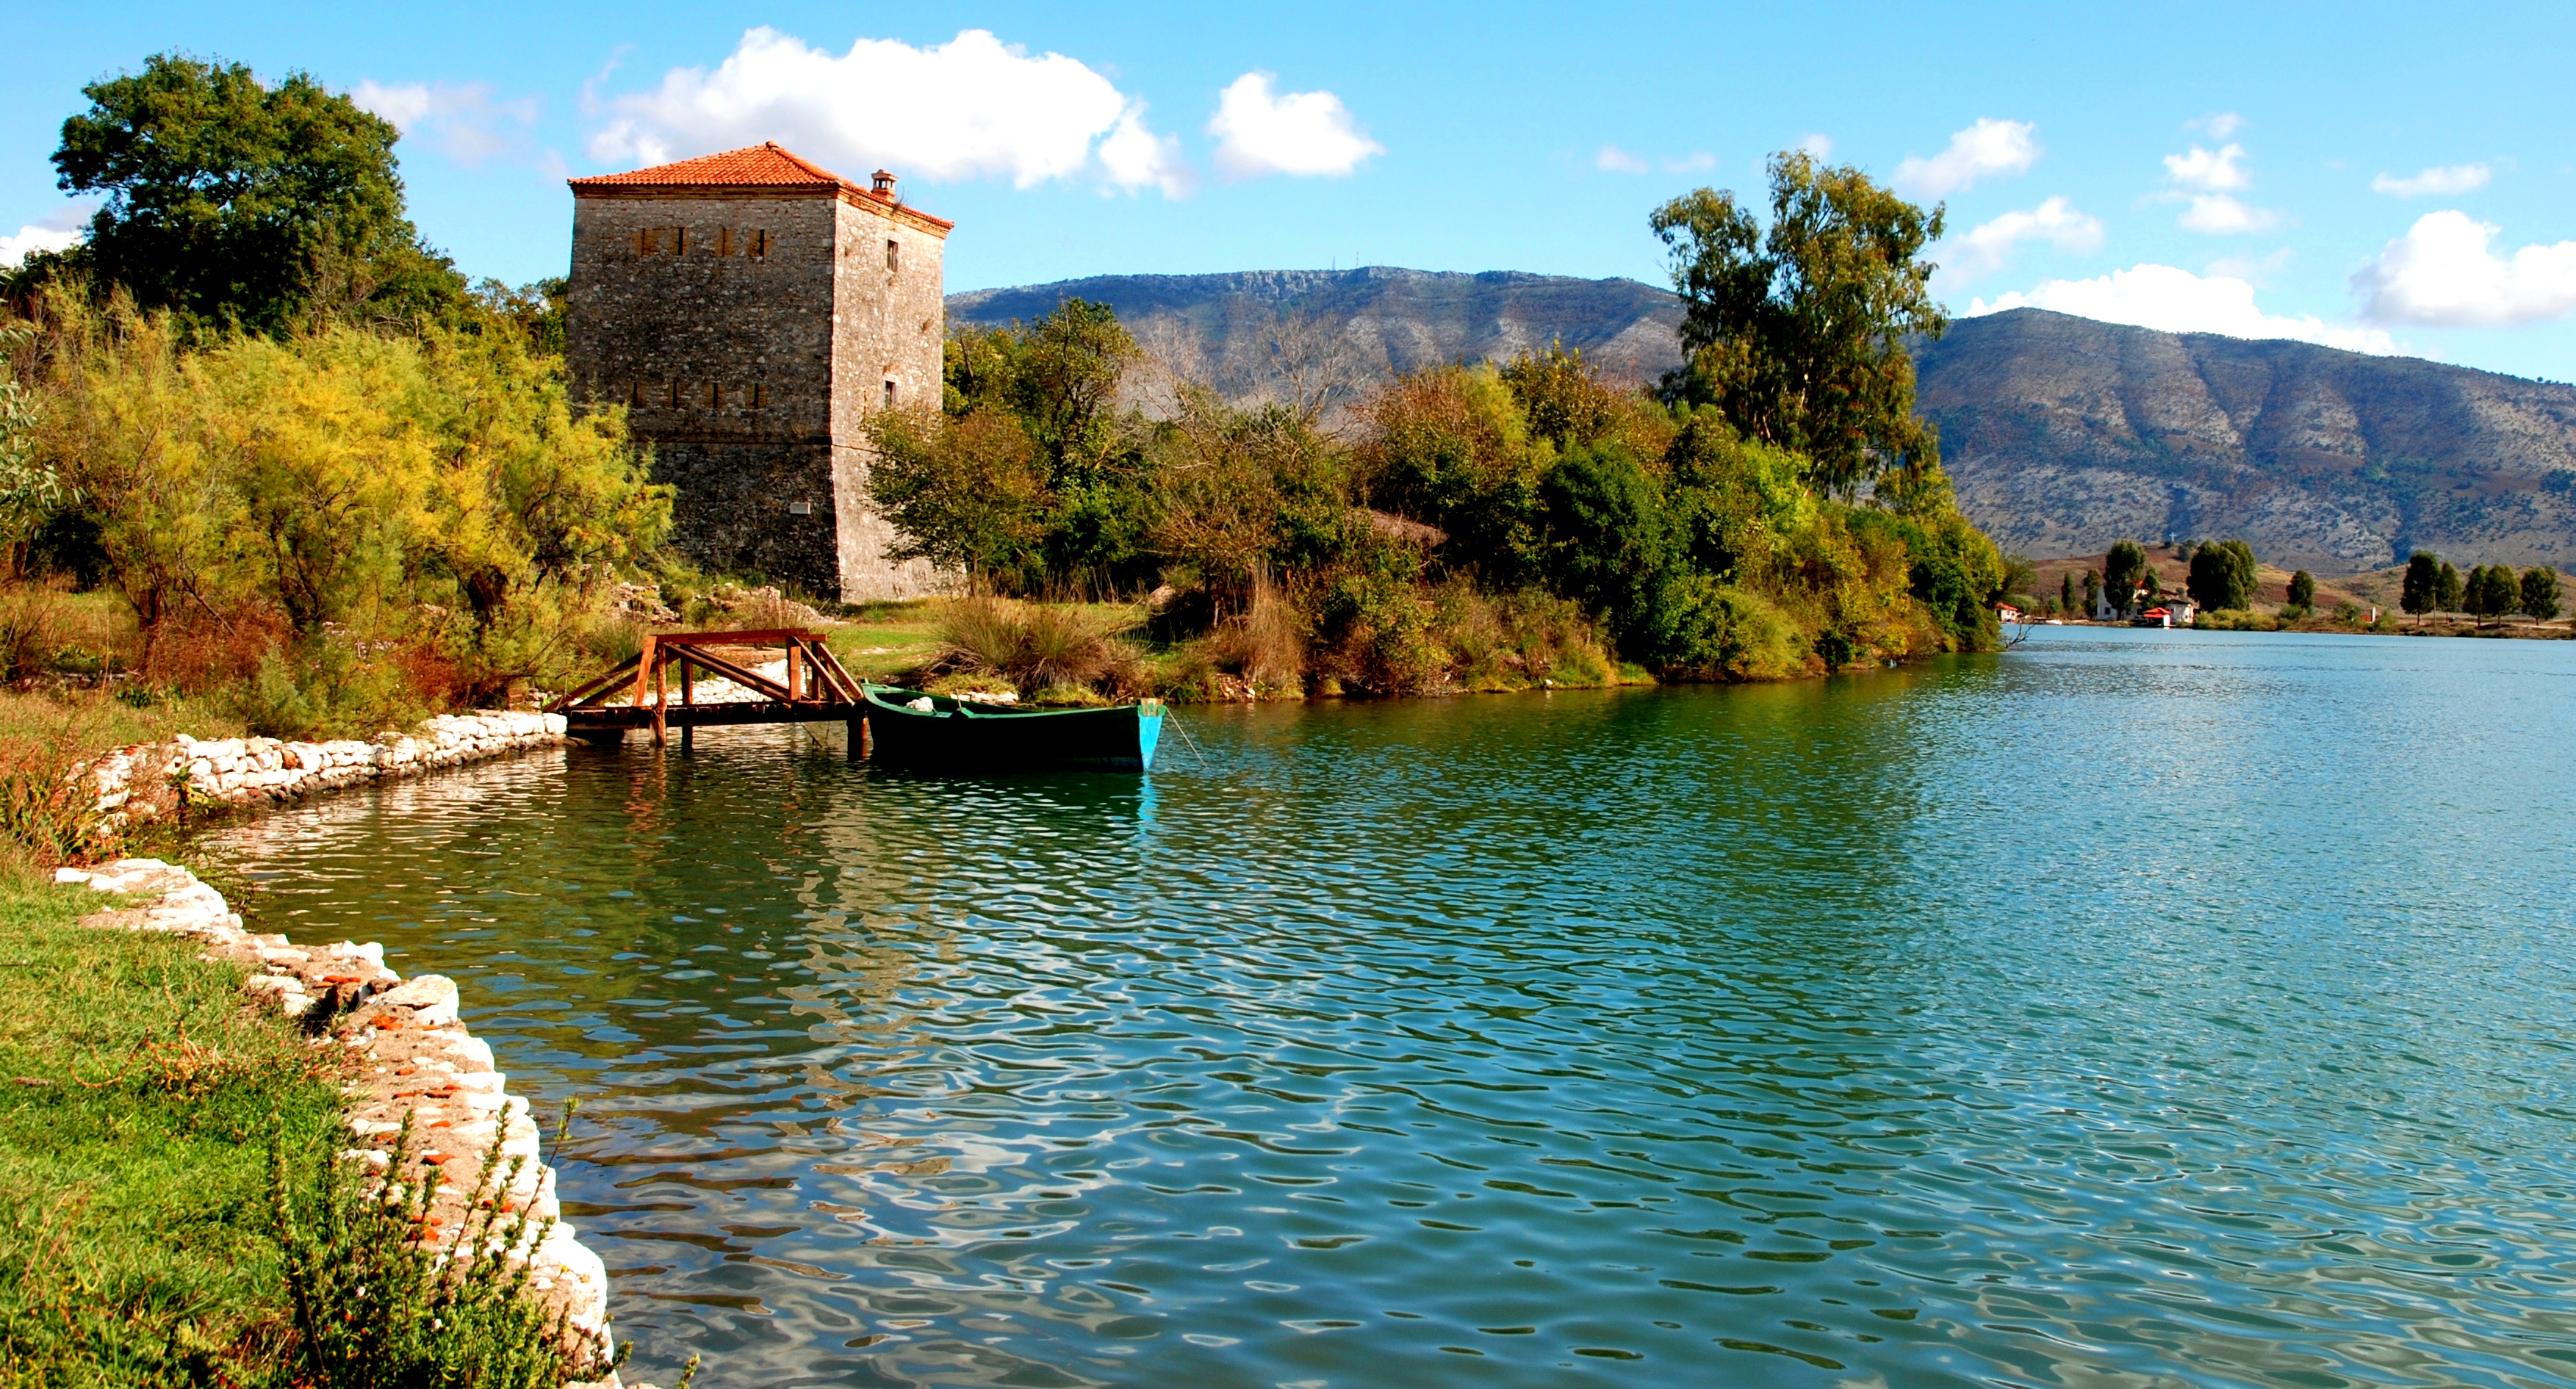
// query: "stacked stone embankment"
[[411, 1057], [145, 781]]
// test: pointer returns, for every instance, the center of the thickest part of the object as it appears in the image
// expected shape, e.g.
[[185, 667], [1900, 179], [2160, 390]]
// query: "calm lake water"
[[2130, 1009]]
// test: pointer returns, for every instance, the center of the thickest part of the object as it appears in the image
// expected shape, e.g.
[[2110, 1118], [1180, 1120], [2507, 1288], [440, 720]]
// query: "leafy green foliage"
[[378, 1306], [1797, 332], [2539, 592], [2123, 569], [2449, 592], [234, 203], [2421, 590], [2222, 575], [433, 494], [2303, 590]]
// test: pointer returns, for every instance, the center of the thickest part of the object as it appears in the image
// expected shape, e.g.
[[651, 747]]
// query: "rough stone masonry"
[[750, 310]]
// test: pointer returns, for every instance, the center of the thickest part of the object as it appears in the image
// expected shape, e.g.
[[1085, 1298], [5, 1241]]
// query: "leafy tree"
[[2123, 569], [1064, 384], [2222, 575], [1564, 398], [2303, 590], [2066, 592], [2540, 592], [2092, 591], [2447, 586], [2422, 590], [2493, 591], [1798, 332], [237, 203]]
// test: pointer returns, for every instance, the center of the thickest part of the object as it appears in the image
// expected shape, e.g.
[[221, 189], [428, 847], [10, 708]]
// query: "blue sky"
[[2394, 178]]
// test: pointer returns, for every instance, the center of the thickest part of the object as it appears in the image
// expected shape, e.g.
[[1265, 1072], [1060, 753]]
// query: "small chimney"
[[882, 184]]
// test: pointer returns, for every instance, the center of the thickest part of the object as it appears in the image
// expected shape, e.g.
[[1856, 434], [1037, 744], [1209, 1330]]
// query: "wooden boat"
[[910, 729]]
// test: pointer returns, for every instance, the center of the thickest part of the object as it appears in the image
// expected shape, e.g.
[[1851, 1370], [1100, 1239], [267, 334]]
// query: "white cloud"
[[469, 124], [30, 238], [2217, 125], [1990, 147], [1990, 246], [2444, 271], [2447, 181], [1695, 162], [2221, 214], [1614, 160], [2209, 171], [2178, 301], [1821, 147], [969, 108], [1259, 132], [1136, 156]]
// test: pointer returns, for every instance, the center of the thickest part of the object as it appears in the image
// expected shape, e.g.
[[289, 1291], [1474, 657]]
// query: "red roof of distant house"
[[2156, 612], [764, 166]]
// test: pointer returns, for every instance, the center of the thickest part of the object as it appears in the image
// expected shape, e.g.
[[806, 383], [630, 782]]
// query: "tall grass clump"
[[1048, 652]]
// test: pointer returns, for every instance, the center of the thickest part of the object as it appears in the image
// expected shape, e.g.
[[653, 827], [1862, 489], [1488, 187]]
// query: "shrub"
[[378, 1306], [33, 630]]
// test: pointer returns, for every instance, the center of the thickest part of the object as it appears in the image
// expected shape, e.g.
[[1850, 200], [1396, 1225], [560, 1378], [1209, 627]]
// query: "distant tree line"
[[2486, 591]]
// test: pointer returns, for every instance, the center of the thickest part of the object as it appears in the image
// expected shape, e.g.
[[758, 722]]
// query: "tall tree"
[[2303, 590], [2123, 569], [2446, 589], [2423, 583], [2496, 592], [2540, 592], [2066, 592], [238, 203], [2222, 575], [1797, 331]]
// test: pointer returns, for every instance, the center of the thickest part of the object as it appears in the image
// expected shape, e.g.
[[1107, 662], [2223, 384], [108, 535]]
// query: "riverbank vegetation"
[[2234, 591], [1774, 509]]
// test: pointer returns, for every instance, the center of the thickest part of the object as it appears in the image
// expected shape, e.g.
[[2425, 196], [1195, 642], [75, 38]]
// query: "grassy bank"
[[138, 1096]]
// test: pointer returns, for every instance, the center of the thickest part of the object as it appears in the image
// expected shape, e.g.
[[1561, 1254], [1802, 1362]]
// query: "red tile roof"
[[764, 166]]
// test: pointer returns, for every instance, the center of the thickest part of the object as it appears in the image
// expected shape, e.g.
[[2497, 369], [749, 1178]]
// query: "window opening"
[[894, 254], [889, 394]]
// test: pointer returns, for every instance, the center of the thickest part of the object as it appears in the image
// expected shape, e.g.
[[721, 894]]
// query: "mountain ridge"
[[2062, 434]]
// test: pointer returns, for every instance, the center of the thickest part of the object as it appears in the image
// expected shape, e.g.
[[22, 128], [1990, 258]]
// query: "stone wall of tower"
[[750, 336], [892, 320], [711, 319]]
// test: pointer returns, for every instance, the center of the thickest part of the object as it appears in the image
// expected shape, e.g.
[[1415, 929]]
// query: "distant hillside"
[[2065, 434], [2062, 433], [1388, 321]]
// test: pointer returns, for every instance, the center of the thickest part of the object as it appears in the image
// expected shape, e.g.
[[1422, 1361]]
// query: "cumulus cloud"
[[2210, 180], [2210, 171], [1259, 131], [464, 118], [1614, 160], [2444, 271], [2178, 301], [58, 230], [32, 238], [2222, 214], [2447, 181], [1990, 245], [973, 107], [1820, 146], [1984, 150]]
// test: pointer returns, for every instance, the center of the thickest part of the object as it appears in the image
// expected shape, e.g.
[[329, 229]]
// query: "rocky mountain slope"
[[1381, 321], [2062, 433]]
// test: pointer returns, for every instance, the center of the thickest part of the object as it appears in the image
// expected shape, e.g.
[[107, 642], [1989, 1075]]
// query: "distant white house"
[[2007, 613], [2168, 609]]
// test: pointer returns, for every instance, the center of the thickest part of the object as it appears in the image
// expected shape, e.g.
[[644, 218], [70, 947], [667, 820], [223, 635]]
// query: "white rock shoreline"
[[412, 1056], [149, 780]]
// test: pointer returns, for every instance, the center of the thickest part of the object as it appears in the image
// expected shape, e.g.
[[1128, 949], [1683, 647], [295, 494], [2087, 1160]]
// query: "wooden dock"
[[817, 688]]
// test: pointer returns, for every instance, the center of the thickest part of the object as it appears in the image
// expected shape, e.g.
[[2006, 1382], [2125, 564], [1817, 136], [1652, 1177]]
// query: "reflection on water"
[[2151, 1009]]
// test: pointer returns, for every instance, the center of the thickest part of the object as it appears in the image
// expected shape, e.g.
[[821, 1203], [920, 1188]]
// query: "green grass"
[[134, 1243]]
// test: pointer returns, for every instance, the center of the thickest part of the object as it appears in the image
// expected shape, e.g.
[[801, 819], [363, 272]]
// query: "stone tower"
[[750, 310]]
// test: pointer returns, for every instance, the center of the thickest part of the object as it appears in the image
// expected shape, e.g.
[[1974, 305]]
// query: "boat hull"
[[956, 736]]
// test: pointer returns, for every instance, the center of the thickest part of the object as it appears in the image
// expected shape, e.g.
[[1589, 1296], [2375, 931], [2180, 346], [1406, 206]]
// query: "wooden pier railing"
[[816, 687]]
